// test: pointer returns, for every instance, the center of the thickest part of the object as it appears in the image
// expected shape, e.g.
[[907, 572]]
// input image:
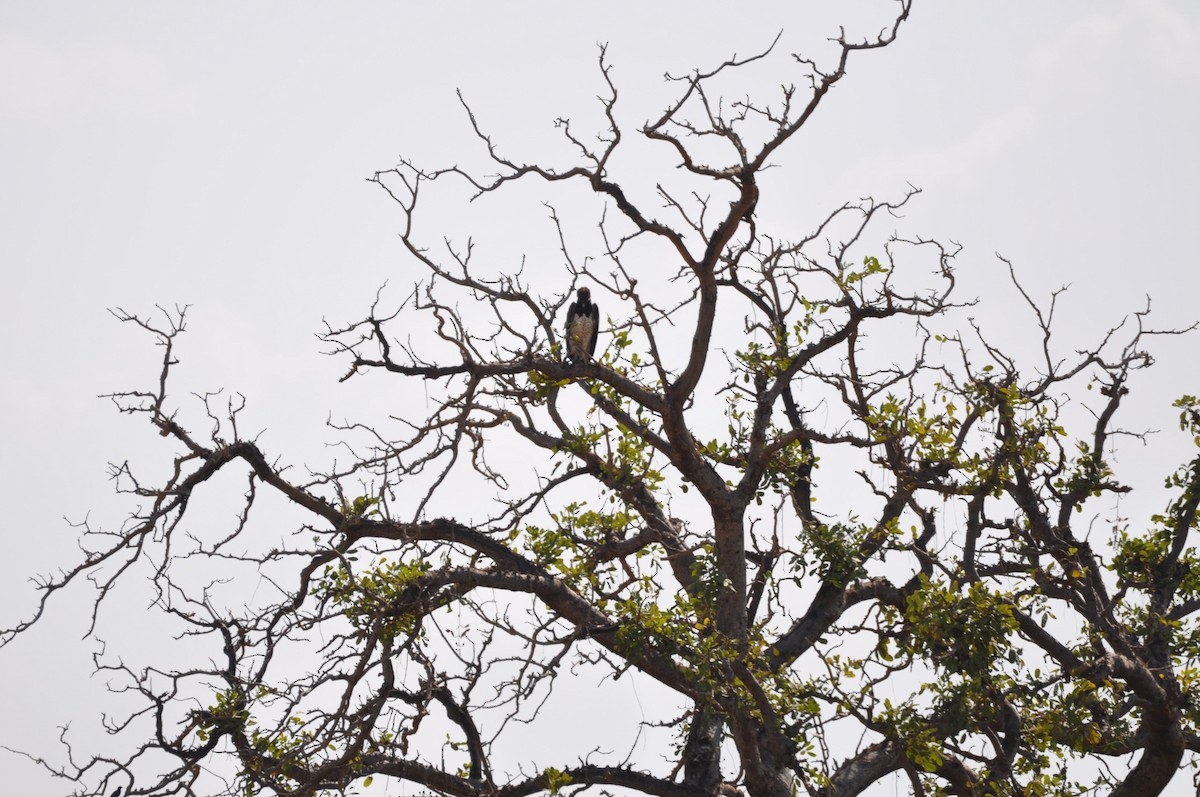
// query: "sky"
[[158, 153]]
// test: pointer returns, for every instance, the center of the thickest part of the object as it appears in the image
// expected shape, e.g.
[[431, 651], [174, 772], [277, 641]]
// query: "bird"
[[583, 325]]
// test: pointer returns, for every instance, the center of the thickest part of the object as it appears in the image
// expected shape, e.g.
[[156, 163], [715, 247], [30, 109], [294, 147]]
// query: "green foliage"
[[569, 548], [361, 507], [1189, 416], [679, 627], [648, 630], [542, 386], [849, 277], [381, 599], [556, 779], [904, 721], [832, 551], [961, 629], [626, 457], [1086, 475], [228, 714], [759, 361]]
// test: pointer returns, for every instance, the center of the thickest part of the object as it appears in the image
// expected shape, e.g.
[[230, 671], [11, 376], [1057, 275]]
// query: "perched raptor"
[[583, 325]]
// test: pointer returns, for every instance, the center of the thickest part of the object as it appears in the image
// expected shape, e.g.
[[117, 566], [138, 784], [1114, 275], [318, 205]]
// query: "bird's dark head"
[[584, 296]]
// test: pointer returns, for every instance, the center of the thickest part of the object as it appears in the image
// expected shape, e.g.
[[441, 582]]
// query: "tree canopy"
[[831, 530]]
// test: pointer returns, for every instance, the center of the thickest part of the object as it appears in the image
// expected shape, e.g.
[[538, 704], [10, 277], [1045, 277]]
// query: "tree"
[[749, 531]]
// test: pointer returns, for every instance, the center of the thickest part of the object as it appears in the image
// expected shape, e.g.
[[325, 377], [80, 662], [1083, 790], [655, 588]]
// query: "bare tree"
[[737, 503]]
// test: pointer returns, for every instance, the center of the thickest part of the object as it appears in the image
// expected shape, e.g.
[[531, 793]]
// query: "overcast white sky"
[[214, 154]]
